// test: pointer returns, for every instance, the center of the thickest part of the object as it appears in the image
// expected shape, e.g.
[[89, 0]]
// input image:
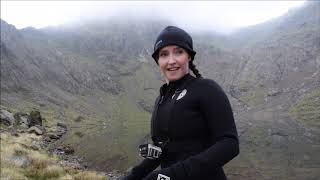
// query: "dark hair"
[[194, 69]]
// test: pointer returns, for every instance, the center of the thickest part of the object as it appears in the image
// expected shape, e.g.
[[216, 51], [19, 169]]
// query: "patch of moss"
[[307, 110], [254, 97]]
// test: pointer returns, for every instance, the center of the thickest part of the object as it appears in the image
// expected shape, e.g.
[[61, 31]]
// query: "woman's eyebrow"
[[163, 50]]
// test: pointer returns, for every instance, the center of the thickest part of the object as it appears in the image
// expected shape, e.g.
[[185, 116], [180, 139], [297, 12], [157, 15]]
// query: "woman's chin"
[[174, 75]]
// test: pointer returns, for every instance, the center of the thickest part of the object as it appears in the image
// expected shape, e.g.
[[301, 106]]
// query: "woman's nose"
[[172, 59]]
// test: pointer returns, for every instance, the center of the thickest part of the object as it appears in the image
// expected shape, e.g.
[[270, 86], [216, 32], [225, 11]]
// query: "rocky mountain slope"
[[25, 150], [105, 92], [98, 77]]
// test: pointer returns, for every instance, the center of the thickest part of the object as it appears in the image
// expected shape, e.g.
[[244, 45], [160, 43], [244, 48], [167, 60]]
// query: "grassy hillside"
[[104, 128], [307, 110], [22, 158]]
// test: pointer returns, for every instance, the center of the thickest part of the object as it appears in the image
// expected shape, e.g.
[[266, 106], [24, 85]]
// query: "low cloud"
[[219, 16]]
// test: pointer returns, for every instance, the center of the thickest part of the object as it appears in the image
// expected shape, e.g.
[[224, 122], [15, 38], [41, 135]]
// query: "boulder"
[[35, 118], [14, 133], [53, 136], [38, 130], [19, 160], [22, 119], [79, 119], [67, 150], [274, 92], [7, 117], [35, 145], [24, 125], [59, 124]]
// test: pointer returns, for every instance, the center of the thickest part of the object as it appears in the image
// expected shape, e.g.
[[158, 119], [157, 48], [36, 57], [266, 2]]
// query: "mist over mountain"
[[99, 78]]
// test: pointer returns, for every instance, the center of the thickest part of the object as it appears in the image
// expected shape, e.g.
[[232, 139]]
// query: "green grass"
[[125, 126], [20, 161], [254, 97], [307, 110], [112, 125]]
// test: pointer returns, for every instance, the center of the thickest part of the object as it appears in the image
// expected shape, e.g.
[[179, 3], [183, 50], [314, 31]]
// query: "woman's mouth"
[[173, 69]]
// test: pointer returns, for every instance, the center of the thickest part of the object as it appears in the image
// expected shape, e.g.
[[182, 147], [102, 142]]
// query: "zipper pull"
[[161, 100]]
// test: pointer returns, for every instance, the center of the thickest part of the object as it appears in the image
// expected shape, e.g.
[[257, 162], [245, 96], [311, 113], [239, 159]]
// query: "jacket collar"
[[175, 84]]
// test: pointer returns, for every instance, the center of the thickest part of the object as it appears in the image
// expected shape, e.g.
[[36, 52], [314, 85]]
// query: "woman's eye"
[[162, 54], [180, 51]]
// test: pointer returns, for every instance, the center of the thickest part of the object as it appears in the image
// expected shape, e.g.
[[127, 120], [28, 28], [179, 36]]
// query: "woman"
[[192, 123]]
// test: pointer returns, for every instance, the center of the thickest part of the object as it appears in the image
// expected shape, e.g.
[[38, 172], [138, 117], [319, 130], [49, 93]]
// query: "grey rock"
[[24, 125], [16, 134], [35, 145], [115, 174], [62, 125], [21, 119], [7, 117], [66, 150], [274, 92], [53, 136], [19, 160], [35, 118], [38, 130], [20, 131], [24, 120]]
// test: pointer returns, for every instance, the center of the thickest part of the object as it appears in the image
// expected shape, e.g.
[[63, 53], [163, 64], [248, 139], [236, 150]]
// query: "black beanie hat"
[[172, 35]]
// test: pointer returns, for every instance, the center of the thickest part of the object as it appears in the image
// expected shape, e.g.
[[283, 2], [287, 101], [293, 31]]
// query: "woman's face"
[[173, 62]]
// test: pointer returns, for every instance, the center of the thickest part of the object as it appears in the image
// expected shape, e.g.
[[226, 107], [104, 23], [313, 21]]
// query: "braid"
[[194, 69]]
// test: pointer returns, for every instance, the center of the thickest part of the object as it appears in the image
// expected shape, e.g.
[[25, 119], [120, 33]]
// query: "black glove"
[[163, 174]]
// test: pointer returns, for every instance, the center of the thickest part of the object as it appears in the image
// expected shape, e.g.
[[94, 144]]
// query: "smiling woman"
[[192, 125], [223, 16]]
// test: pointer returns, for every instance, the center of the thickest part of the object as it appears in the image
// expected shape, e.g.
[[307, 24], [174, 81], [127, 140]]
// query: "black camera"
[[150, 151]]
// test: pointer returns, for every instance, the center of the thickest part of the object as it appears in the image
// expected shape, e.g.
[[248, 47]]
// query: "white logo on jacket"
[[163, 177], [182, 94]]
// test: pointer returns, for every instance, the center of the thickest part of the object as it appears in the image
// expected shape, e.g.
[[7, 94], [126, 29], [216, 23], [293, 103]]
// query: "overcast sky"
[[220, 16]]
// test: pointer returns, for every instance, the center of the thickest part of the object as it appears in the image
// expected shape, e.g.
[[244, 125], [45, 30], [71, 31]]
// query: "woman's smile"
[[173, 69]]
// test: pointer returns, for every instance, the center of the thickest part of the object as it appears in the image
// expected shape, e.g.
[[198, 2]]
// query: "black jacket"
[[194, 116]]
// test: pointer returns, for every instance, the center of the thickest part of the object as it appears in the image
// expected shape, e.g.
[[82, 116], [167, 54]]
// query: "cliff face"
[[100, 79]]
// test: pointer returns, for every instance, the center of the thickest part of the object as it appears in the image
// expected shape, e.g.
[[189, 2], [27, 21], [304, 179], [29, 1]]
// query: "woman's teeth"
[[173, 69]]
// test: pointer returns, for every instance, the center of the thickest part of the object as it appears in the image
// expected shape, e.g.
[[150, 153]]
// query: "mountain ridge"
[[103, 74]]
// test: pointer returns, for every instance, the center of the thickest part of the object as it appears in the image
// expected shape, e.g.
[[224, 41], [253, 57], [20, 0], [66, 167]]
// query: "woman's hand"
[[159, 175]]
